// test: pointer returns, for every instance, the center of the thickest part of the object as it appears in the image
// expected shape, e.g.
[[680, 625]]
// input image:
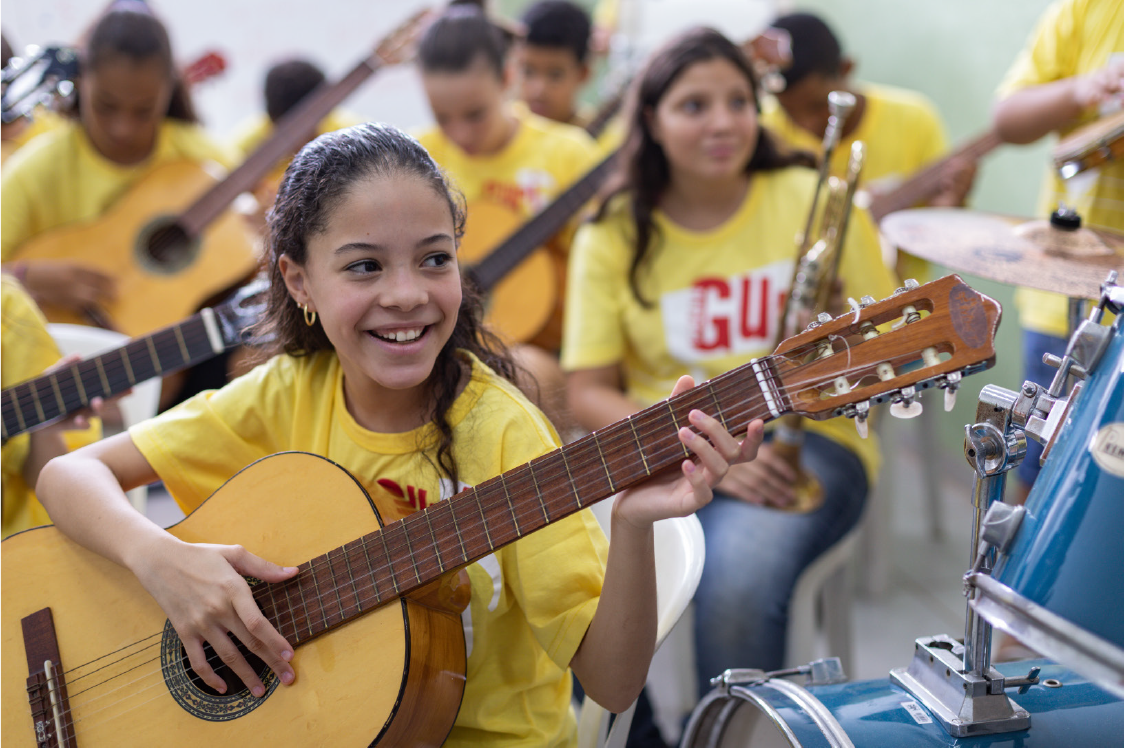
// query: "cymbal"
[[1007, 249]]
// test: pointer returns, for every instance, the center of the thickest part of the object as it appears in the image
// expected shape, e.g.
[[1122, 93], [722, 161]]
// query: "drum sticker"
[[917, 712], [1108, 449]]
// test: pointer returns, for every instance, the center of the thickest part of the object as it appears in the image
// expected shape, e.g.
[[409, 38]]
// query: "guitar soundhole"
[[199, 699], [164, 247], [234, 683]]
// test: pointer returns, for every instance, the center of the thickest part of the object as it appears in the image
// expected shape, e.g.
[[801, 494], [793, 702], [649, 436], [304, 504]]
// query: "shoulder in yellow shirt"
[[715, 296], [27, 350], [531, 602], [59, 178], [255, 131]]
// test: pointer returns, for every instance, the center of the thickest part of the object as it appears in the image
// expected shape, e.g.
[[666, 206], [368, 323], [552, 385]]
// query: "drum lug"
[[1024, 684], [1001, 524], [826, 671]]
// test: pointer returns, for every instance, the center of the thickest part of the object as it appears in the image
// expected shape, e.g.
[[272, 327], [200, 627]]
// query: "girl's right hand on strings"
[[68, 284], [201, 589], [768, 480]]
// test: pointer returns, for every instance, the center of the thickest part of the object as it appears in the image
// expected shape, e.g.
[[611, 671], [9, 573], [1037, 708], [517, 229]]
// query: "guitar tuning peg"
[[910, 284], [906, 411], [950, 398], [861, 426], [866, 301], [824, 318]]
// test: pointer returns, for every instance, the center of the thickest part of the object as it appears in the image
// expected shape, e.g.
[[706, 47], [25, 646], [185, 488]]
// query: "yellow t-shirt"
[[59, 178], [532, 601], [251, 135], [716, 295], [25, 351], [1073, 37], [44, 120], [542, 160], [902, 131]]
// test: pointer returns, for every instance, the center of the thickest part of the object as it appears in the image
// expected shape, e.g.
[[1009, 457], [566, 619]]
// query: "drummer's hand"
[[678, 493], [768, 480], [68, 284], [201, 589], [1101, 85], [956, 180]]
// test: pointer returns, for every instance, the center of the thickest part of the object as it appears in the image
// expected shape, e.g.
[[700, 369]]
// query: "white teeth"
[[401, 336]]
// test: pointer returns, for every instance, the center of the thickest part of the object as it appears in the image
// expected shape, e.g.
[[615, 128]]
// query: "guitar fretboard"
[[46, 398], [407, 555]]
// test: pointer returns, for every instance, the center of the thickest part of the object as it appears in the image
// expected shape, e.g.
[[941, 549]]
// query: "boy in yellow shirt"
[[902, 129], [508, 163], [553, 61], [1069, 73]]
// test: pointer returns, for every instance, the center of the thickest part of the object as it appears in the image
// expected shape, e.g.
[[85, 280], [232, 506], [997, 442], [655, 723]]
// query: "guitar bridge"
[[46, 687]]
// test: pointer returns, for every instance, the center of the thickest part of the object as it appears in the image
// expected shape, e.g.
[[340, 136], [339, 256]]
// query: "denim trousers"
[[754, 556]]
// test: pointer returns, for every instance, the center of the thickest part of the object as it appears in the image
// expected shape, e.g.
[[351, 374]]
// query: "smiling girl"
[[386, 371]]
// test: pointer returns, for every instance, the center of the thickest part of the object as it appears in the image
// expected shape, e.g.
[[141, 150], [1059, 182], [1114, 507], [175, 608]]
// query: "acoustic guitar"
[[522, 275], [88, 658], [170, 242], [31, 405]]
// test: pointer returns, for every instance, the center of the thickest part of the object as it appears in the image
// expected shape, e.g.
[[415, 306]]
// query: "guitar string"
[[425, 546], [329, 560]]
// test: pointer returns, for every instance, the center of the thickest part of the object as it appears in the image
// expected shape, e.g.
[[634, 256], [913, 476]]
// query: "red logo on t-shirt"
[[415, 497]]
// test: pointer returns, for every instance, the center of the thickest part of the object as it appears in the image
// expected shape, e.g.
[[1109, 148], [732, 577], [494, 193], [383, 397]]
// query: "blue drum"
[[1058, 587], [1066, 710]]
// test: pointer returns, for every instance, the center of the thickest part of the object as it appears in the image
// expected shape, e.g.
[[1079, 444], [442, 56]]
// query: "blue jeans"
[[754, 556], [1035, 344]]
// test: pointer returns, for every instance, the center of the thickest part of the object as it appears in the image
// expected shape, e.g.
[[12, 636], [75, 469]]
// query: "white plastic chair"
[[821, 605], [135, 407], [679, 565]]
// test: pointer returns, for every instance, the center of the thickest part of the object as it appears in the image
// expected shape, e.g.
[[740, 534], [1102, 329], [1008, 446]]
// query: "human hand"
[[955, 180], [767, 481], [680, 493], [1101, 85], [68, 284], [201, 589]]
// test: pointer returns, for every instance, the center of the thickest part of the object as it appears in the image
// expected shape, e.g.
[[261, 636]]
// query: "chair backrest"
[[679, 550], [135, 407]]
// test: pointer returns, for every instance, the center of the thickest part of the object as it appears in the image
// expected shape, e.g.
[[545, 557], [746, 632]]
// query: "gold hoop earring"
[[310, 317]]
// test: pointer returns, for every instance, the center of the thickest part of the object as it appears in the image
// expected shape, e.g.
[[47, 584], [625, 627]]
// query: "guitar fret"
[[182, 343], [371, 572], [433, 537], [289, 606], [605, 465], [484, 520], [538, 491], [687, 452], [273, 607], [304, 603], [457, 529], [390, 564], [54, 380], [74, 372], [718, 408], [38, 405], [351, 578], [511, 509], [316, 590], [128, 367], [640, 449], [573, 487], [19, 413], [410, 552], [335, 586], [101, 375], [152, 354]]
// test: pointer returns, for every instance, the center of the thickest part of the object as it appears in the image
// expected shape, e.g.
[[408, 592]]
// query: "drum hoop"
[[1049, 633], [832, 729]]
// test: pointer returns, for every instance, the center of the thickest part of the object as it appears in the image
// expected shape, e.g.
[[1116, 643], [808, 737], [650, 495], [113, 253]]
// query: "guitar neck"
[[290, 132], [407, 555], [537, 231], [37, 402], [927, 182]]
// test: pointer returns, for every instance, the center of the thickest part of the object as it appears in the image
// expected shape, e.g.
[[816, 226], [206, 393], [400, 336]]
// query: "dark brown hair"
[[643, 171], [316, 181], [135, 33]]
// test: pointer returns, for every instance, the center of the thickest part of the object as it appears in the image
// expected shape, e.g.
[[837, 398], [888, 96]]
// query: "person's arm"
[[613, 659], [200, 587], [1030, 113], [595, 397]]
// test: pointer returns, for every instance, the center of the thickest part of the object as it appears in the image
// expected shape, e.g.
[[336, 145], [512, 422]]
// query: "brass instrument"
[[814, 277]]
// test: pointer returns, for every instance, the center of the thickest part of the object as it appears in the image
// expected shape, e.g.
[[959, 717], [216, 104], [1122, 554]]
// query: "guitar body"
[[395, 675], [525, 306], [150, 296]]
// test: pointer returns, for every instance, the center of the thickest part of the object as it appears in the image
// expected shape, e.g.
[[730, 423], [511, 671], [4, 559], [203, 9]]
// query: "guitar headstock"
[[241, 311], [208, 65], [937, 333], [400, 45]]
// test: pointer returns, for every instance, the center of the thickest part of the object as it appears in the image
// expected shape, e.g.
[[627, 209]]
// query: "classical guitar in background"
[[171, 242], [89, 659]]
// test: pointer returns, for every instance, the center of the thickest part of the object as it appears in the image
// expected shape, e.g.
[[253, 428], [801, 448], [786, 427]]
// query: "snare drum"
[[1066, 710], [1059, 586]]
